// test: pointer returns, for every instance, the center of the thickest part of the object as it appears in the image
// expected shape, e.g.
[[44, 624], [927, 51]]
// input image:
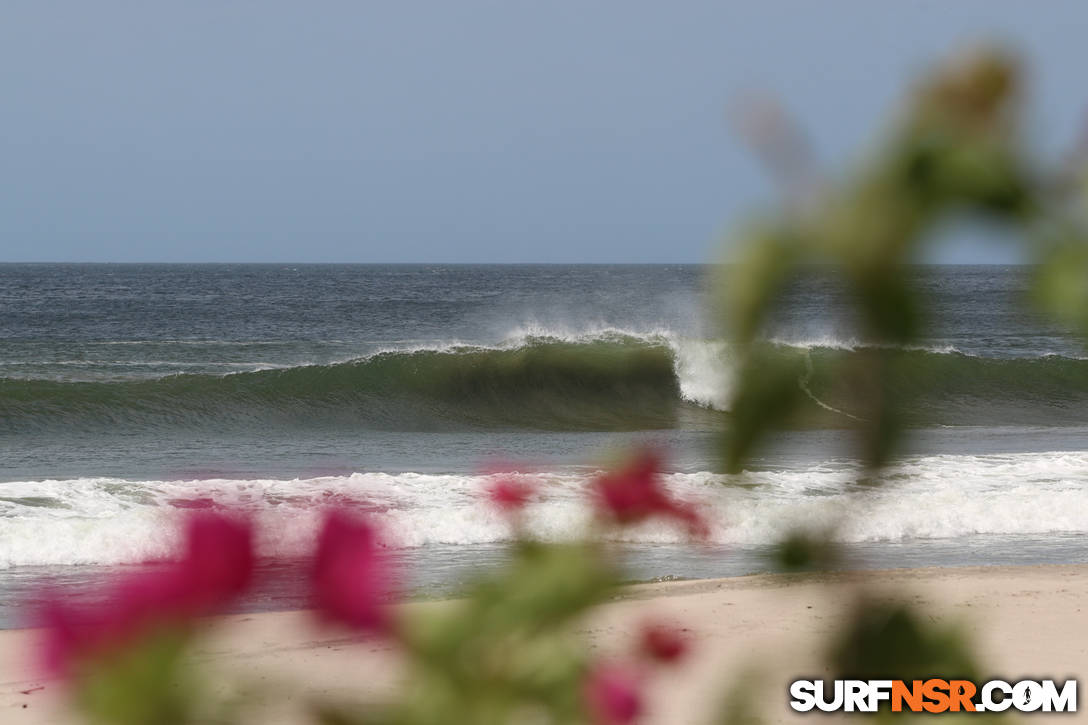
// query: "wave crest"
[[605, 380]]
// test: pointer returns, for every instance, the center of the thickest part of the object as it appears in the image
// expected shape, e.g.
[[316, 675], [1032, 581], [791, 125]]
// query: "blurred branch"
[[778, 141]]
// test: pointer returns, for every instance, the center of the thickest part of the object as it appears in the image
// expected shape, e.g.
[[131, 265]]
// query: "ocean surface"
[[130, 394]]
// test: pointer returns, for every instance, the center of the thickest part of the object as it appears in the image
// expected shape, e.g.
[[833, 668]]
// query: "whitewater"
[[131, 395], [114, 521]]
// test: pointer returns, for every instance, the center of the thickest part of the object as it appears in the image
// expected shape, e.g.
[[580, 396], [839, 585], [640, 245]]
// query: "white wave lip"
[[703, 368], [111, 521]]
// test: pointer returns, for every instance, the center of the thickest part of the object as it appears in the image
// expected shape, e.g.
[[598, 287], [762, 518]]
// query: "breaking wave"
[[609, 380]]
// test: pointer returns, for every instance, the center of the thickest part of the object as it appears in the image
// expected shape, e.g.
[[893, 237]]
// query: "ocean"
[[130, 394]]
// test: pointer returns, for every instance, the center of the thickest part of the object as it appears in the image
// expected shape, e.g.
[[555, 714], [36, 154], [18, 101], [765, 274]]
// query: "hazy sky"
[[452, 130]]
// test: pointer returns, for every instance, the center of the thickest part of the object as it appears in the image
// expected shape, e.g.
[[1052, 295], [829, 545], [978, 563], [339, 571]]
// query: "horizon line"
[[478, 264]]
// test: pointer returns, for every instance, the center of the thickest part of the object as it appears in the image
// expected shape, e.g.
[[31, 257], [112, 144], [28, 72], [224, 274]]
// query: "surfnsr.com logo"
[[933, 696]]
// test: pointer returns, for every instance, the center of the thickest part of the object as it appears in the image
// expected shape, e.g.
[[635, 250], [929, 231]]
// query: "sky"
[[457, 131]]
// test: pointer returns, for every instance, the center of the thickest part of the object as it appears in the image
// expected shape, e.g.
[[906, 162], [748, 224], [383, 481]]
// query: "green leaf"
[[768, 393], [1061, 280], [143, 682], [769, 256]]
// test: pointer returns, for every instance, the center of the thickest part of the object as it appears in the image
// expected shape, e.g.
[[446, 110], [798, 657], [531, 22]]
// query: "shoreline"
[[1023, 621], [443, 573]]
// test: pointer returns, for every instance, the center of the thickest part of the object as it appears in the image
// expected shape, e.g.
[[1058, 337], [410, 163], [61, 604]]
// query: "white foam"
[[108, 521], [853, 343]]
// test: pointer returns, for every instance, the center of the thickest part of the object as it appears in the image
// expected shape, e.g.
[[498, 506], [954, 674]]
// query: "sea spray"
[[610, 380]]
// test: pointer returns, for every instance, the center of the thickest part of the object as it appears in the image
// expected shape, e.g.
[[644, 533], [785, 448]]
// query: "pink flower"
[[136, 605], [689, 517], [509, 494], [663, 643], [216, 568], [636, 492], [218, 563], [612, 695], [351, 580], [71, 634]]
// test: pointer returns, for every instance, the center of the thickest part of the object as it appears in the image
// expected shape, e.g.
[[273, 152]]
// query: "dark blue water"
[[128, 392], [146, 370]]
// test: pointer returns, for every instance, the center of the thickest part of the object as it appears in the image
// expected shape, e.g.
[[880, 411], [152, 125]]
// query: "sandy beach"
[[475, 363], [1023, 622]]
